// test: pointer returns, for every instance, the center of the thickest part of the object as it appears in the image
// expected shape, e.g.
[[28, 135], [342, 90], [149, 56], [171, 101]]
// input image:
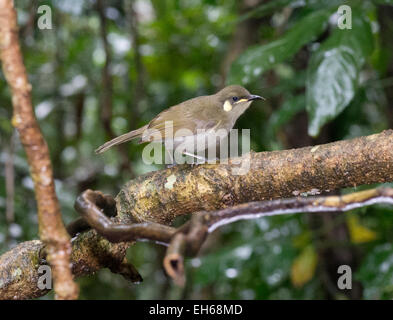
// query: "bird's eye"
[[235, 98]]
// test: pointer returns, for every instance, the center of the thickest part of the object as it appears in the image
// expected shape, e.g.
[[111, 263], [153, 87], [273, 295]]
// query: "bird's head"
[[235, 99]]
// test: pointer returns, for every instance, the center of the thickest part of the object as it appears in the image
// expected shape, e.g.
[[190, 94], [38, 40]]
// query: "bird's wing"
[[178, 121]]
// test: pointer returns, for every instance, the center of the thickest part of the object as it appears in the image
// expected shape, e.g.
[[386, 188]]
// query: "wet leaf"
[[256, 60], [333, 72], [303, 267], [359, 233]]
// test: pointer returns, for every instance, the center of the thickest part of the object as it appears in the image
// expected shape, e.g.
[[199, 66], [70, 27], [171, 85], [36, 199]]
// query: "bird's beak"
[[254, 97]]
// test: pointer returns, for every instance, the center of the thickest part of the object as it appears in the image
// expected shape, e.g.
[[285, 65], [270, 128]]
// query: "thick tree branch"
[[160, 196], [51, 229], [163, 195], [93, 206], [19, 267], [195, 231], [188, 239]]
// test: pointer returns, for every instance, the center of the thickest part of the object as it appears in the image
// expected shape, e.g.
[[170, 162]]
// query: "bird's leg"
[[200, 158]]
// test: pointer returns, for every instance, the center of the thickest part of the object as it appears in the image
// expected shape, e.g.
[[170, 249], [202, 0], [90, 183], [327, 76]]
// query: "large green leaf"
[[256, 60], [333, 72]]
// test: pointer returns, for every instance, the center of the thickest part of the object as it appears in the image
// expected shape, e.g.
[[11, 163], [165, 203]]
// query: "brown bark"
[[154, 197], [19, 266], [51, 228], [163, 195], [190, 237]]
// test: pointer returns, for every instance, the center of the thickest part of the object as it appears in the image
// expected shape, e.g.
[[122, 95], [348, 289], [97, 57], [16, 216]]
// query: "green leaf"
[[256, 60], [304, 266], [333, 72]]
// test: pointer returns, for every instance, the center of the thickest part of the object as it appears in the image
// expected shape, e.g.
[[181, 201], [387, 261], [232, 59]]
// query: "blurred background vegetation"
[[109, 66]]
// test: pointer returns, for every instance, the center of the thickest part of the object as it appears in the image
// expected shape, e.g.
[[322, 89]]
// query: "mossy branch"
[[160, 196], [19, 267], [163, 195]]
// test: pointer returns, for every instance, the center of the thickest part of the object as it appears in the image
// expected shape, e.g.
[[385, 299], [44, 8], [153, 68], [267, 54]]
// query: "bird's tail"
[[120, 139]]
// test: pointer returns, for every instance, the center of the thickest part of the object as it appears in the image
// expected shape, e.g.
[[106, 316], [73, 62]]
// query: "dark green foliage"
[[254, 61], [334, 70]]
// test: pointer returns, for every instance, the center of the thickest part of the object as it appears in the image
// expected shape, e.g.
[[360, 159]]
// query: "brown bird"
[[192, 122]]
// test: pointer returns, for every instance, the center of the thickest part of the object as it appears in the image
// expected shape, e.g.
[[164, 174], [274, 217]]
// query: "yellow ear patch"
[[227, 106]]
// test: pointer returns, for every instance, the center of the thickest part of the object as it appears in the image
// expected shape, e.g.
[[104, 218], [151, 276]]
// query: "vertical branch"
[[107, 82], [107, 87], [79, 107], [139, 86], [59, 108], [244, 36], [51, 228], [28, 30]]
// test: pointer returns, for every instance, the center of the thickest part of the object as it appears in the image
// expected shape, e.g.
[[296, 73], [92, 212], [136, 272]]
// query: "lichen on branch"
[[271, 175], [19, 267], [213, 191]]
